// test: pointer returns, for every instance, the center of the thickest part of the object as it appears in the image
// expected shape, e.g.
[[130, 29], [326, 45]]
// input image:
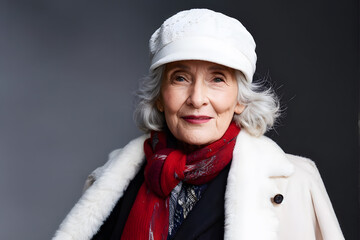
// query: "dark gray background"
[[68, 70]]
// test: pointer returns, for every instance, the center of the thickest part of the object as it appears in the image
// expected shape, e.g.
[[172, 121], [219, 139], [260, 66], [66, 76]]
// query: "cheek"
[[169, 103], [172, 101], [225, 103]]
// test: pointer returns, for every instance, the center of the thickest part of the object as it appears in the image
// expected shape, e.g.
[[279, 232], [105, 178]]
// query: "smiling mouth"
[[196, 119]]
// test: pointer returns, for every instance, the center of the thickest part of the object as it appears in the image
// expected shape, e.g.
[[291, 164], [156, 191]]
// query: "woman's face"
[[199, 100]]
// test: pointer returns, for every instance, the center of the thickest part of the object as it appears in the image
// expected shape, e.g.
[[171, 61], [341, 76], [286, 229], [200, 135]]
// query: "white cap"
[[202, 34]]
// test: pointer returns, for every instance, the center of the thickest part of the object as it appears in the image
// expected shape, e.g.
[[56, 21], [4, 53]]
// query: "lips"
[[197, 119]]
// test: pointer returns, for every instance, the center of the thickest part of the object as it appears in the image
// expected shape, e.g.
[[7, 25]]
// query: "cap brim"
[[205, 49]]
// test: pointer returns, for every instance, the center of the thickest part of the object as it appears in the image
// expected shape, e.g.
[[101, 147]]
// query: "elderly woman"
[[205, 171]]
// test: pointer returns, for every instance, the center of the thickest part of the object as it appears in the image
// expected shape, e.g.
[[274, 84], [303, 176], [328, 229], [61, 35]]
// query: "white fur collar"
[[249, 212]]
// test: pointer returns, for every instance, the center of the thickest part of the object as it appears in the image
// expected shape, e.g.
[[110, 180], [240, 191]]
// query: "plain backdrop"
[[68, 71]]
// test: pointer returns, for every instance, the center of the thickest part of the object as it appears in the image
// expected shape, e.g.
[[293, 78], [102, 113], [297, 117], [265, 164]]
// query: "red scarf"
[[166, 167]]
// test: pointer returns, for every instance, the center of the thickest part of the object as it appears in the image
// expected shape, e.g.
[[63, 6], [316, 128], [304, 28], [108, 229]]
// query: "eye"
[[218, 80], [180, 79]]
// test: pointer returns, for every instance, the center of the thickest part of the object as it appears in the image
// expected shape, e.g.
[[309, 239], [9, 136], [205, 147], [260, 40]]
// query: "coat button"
[[278, 198]]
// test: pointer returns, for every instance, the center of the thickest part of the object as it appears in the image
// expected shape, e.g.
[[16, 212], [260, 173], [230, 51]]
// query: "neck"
[[188, 148]]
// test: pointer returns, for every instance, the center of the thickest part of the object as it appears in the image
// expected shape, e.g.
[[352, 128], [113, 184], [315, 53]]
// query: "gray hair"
[[261, 106]]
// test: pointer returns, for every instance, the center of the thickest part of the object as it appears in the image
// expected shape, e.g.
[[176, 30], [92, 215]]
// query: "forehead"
[[195, 64]]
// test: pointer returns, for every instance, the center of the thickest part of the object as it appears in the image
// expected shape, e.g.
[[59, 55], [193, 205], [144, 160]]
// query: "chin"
[[196, 140]]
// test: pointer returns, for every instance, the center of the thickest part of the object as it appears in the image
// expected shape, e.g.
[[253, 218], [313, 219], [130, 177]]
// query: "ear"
[[239, 108], [159, 105]]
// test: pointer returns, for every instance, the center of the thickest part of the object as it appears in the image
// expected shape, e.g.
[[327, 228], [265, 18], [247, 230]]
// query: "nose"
[[198, 94]]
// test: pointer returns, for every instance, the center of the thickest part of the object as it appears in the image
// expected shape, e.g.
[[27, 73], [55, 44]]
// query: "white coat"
[[259, 170]]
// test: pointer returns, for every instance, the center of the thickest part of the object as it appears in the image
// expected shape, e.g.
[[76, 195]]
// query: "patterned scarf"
[[166, 168]]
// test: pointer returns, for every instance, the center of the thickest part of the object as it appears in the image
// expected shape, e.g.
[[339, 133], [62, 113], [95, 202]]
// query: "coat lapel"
[[259, 166]]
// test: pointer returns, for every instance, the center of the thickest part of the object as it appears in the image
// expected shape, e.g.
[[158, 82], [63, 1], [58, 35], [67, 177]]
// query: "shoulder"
[[306, 180], [302, 163], [304, 168]]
